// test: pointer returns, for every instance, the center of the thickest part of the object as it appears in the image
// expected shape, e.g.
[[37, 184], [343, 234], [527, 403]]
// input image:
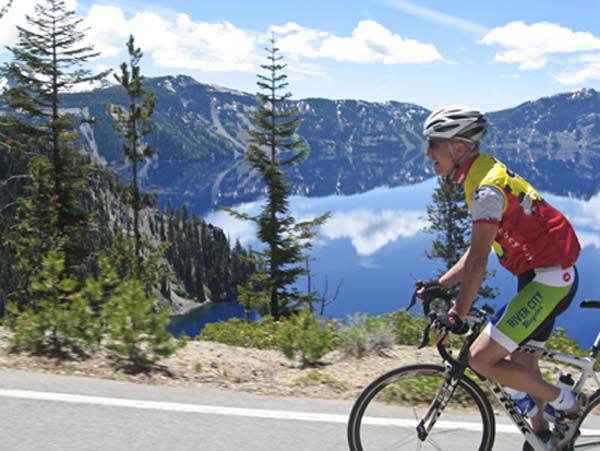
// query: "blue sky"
[[490, 54]]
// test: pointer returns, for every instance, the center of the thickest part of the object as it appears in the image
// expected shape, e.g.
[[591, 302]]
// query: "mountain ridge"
[[200, 135]]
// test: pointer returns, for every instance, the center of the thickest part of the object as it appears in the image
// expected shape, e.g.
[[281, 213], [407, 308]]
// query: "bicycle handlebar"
[[475, 317], [588, 303]]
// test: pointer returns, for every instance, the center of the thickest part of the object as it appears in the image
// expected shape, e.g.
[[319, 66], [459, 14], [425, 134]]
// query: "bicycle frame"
[[585, 364], [457, 366]]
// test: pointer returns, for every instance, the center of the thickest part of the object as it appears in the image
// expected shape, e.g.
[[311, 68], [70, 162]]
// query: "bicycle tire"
[[376, 422], [589, 426]]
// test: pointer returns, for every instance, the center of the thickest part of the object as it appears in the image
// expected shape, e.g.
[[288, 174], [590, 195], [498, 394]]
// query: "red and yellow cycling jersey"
[[531, 234]]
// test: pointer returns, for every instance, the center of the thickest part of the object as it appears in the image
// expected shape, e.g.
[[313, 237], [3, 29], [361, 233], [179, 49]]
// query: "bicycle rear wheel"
[[589, 427], [387, 413]]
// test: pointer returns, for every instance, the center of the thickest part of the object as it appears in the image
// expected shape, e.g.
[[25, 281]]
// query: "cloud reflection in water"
[[370, 230]]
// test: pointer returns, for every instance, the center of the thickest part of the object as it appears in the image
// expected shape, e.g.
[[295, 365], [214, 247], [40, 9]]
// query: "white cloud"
[[180, 43], [589, 239], [221, 46], [589, 70], [299, 42], [583, 214], [13, 17], [369, 230], [438, 17], [530, 45], [107, 30], [289, 27], [177, 41], [236, 229], [370, 42]]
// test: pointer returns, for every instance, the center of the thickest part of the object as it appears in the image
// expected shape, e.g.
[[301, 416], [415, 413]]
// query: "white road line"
[[236, 411]]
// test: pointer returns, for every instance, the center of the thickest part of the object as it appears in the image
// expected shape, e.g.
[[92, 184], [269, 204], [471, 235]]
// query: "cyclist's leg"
[[488, 357], [538, 422], [531, 311], [530, 361]]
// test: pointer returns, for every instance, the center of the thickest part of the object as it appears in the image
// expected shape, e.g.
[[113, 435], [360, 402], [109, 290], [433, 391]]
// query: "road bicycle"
[[444, 407]]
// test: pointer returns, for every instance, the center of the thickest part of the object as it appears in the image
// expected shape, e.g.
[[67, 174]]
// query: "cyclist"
[[533, 241]]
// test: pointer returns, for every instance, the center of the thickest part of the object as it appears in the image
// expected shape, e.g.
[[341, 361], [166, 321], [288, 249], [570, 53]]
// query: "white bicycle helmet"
[[456, 121]]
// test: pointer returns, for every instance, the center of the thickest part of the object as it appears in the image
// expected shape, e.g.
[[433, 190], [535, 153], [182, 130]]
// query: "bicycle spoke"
[[388, 414], [434, 444]]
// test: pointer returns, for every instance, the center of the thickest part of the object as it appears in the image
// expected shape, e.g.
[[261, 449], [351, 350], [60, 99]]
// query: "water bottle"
[[524, 402], [564, 381]]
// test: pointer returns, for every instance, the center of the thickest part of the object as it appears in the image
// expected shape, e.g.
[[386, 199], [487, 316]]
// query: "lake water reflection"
[[374, 245]]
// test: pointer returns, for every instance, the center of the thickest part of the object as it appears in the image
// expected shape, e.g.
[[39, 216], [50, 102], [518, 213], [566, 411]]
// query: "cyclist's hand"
[[432, 289], [448, 323]]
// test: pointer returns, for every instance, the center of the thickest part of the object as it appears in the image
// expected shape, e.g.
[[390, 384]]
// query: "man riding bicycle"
[[533, 241]]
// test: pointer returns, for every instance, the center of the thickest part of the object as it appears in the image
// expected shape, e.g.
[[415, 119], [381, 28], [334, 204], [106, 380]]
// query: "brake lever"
[[425, 337], [426, 313], [413, 299]]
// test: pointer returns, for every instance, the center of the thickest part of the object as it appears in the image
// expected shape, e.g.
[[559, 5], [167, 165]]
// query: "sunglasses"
[[434, 144]]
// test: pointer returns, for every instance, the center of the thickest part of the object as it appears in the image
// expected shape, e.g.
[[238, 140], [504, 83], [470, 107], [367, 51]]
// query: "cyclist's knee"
[[480, 362], [485, 354]]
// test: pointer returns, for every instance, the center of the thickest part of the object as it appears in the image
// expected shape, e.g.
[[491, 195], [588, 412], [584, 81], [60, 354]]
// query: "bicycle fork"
[[435, 410]]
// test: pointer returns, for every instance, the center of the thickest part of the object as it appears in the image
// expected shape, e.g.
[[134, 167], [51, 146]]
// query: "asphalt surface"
[[67, 413]]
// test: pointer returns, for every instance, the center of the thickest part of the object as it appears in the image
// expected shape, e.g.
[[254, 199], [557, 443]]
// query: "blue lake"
[[194, 321], [374, 246]]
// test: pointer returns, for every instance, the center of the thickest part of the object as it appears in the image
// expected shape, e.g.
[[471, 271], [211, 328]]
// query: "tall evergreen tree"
[[134, 124], [47, 61], [273, 146], [450, 221]]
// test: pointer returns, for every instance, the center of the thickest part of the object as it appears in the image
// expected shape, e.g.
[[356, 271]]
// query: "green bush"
[[315, 377], [61, 318], [135, 328], [237, 332], [408, 329], [362, 335], [561, 342], [304, 334]]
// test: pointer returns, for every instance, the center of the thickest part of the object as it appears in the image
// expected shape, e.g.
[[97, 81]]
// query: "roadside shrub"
[[315, 377], [560, 341], [237, 332], [408, 329], [362, 335], [304, 334], [135, 328], [60, 319]]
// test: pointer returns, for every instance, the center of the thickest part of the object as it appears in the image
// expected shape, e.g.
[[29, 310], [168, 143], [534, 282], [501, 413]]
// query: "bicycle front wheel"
[[393, 411], [589, 427]]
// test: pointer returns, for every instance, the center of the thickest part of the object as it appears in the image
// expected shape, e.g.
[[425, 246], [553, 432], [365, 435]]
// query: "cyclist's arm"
[[454, 274], [475, 263]]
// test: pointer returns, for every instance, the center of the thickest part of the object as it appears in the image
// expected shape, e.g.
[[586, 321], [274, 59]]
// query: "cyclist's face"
[[439, 151]]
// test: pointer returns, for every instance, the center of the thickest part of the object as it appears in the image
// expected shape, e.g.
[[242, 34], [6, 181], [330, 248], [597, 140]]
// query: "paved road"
[[63, 413]]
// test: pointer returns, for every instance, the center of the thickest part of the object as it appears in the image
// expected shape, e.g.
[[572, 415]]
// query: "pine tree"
[[4, 9], [47, 61], [134, 124], [273, 146], [135, 324], [61, 317], [450, 221]]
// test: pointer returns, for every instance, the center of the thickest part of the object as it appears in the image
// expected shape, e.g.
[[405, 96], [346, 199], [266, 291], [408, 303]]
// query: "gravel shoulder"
[[216, 365]]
